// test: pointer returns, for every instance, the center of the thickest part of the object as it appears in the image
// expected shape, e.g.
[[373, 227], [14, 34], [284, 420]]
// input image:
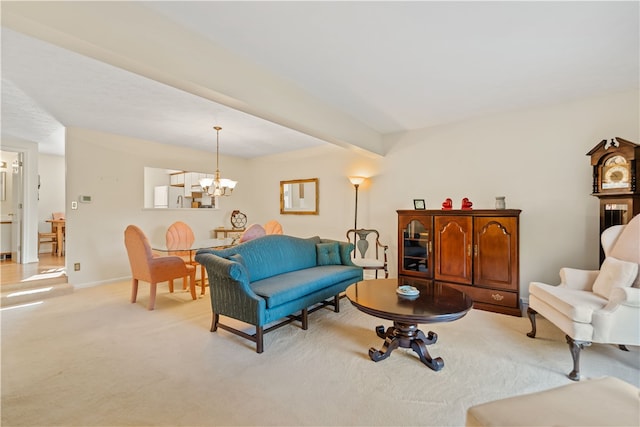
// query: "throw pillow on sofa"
[[328, 253], [614, 273]]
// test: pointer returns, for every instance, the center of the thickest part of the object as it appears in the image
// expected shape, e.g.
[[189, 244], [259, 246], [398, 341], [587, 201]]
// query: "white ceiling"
[[393, 66]]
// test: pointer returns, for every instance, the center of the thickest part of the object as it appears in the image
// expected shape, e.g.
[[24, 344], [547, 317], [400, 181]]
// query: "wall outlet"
[[76, 266]]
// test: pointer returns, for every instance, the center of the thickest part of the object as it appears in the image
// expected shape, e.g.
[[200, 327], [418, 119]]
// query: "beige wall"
[[536, 158], [51, 197]]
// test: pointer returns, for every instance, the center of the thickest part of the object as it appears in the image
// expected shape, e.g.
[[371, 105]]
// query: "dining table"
[[191, 250], [58, 226], [194, 247]]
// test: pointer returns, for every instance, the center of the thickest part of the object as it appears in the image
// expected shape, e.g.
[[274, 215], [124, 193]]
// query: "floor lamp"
[[356, 181]]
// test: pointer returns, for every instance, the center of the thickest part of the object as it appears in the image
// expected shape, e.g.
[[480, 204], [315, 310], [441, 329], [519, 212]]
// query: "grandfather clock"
[[615, 164]]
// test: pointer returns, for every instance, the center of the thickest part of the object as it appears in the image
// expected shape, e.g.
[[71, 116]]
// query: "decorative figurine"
[[466, 204], [447, 205]]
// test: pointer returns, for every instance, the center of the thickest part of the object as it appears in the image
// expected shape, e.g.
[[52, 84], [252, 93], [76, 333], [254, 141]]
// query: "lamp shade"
[[206, 182], [357, 180]]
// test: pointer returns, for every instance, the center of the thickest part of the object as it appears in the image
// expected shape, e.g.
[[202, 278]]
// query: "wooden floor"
[[47, 267]]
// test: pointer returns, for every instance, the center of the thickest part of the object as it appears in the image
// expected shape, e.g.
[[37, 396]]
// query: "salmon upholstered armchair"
[[601, 306], [153, 269], [180, 236]]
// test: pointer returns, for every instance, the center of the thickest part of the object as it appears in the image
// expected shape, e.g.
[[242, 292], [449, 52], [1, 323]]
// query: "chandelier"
[[217, 186]]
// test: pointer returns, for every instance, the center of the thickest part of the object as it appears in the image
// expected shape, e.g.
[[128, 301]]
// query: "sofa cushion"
[[290, 286], [574, 304], [614, 273], [328, 253]]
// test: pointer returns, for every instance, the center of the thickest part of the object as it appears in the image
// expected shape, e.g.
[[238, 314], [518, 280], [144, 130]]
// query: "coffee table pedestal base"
[[406, 335]]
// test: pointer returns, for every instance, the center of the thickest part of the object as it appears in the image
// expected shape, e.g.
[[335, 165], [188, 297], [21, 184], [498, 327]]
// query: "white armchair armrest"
[[625, 296], [574, 278]]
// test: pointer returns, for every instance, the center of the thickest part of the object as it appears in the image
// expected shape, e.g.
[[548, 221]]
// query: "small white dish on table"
[[407, 291]]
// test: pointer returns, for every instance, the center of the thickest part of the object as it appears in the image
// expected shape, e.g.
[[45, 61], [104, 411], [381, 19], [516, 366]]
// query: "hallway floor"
[[48, 266]]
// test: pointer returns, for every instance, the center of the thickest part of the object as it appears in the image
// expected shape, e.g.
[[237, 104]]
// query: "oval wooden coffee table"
[[436, 303]]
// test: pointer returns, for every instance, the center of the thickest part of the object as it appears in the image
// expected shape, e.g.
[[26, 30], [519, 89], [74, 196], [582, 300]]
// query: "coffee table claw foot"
[[381, 332], [431, 337], [419, 347], [389, 345]]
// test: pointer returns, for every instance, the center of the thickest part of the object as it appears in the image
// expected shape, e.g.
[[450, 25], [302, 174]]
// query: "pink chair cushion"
[[252, 232]]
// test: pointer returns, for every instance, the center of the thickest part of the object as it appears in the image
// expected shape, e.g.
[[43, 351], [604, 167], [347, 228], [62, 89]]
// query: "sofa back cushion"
[[328, 253], [273, 254]]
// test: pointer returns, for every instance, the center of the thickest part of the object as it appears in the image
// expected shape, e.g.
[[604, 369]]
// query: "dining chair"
[[253, 231], [59, 229], [369, 253], [48, 238], [154, 269], [273, 227], [180, 236]]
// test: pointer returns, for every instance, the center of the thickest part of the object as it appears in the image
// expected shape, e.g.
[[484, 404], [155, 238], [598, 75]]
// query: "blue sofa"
[[274, 277]]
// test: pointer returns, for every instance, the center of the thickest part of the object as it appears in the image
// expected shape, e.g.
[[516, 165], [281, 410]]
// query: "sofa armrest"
[[346, 249], [574, 278], [229, 289], [625, 296]]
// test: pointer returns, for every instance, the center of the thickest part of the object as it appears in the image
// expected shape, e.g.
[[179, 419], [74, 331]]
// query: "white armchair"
[[601, 306]]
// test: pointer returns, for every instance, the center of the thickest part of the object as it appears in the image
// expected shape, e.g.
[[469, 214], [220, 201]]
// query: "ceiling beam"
[[129, 36]]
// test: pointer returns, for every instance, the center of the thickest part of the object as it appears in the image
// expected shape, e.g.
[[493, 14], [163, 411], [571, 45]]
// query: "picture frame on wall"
[[419, 204]]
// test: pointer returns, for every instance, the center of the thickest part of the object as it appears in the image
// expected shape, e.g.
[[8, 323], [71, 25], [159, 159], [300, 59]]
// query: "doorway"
[[42, 182]]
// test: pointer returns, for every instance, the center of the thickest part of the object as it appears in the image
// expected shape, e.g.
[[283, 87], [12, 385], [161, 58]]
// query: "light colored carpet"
[[93, 359]]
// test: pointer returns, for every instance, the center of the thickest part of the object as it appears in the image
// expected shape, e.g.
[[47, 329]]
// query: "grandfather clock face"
[[616, 173]]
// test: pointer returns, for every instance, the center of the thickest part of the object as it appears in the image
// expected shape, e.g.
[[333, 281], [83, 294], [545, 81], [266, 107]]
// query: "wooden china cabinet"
[[475, 251]]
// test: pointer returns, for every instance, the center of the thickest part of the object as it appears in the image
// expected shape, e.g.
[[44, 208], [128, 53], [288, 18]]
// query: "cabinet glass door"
[[415, 250]]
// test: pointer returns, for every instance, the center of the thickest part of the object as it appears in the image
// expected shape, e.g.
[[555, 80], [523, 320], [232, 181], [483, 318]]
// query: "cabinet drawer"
[[488, 296]]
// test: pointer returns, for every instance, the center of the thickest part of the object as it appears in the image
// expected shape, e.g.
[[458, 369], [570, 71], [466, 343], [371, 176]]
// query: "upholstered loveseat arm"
[[574, 278], [230, 292], [625, 296], [619, 321]]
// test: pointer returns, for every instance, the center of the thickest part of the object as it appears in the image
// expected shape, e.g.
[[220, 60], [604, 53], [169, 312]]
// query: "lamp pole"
[[355, 221], [356, 181]]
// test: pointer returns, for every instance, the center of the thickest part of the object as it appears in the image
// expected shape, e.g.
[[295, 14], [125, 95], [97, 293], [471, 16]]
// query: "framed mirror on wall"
[[299, 197]]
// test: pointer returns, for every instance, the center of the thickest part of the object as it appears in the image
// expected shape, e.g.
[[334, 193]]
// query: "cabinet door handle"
[[429, 248], [468, 250], [497, 297], [475, 250]]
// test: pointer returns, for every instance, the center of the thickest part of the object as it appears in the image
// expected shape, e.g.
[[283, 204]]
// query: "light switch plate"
[[74, 205]]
